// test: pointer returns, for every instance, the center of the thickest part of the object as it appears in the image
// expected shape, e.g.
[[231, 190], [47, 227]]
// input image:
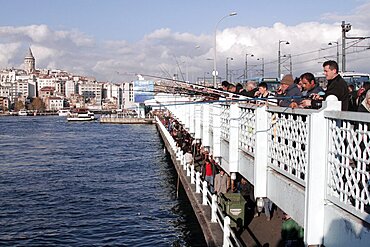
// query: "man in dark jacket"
[[310, 88], [337, 86]]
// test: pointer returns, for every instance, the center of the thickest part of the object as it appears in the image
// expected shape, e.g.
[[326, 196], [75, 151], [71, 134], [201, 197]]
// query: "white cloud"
[[163, 51]]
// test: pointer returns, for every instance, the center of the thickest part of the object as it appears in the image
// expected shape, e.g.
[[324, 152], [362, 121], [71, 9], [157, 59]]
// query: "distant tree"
[[37, 104], [19, 105]]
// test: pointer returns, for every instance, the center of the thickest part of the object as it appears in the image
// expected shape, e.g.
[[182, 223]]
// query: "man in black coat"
[[337, 86]]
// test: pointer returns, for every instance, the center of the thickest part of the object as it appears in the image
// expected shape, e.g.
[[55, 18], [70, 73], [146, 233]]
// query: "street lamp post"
[[246, 65], [337, 43], [262, 66], [214, 50], [279, 56], [227, 67]]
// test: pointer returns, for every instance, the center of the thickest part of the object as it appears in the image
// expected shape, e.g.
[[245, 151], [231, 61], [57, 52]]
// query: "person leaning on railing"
[[310, 87], [337, 86], [289, 91]]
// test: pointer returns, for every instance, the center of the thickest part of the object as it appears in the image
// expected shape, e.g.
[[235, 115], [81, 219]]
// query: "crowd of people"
[[218, 180], [195, 154], [305, 91], [301, 92]]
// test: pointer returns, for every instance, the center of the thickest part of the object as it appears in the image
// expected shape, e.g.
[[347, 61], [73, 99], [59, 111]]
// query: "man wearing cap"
[[289, 90]]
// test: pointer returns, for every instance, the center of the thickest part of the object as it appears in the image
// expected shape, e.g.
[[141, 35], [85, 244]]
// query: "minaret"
[[29, 62]]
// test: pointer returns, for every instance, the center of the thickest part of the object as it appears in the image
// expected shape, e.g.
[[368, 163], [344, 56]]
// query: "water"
[[73, 184]]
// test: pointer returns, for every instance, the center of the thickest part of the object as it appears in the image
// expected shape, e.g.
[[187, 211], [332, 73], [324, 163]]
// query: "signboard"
[[143, 90]]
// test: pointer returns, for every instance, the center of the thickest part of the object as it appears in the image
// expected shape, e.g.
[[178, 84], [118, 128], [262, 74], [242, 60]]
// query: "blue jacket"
[[292, 91]]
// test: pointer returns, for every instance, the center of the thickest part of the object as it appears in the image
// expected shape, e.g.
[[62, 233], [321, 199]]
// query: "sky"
[[113, 40]]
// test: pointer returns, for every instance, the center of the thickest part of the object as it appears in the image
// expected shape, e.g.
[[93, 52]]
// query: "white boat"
[[81, 115], [22, 113], [63, 112]]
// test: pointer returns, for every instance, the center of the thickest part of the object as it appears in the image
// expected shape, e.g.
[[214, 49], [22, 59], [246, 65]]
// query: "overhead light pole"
[[262, 66], [279, 56], [246, 66], [214, 73], [227, 67], [337, 43]]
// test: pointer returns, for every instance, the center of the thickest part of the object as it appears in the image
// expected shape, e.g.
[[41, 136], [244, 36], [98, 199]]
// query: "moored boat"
[[81, 114], [22, 113], [63, 112]]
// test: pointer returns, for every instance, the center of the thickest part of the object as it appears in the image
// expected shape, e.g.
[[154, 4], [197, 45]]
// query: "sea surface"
[[89, 184]]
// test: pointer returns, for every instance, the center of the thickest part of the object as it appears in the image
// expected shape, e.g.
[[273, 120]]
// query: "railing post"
[[205, 134], [214, 209], [316, 175], [187, 170], [197, 182], [204, 193], [216, 130], [184, 166], [192, 175], [226, 231], [182, 160], [234, 138], [260, 158], [178, 153]]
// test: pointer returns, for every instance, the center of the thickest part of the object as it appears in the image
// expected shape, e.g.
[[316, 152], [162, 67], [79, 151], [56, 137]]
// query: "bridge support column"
[[186, 117], [197, 119], [260, 158], [216, 130], [316, 176], [205, 134], [191, 119], [234, 138]]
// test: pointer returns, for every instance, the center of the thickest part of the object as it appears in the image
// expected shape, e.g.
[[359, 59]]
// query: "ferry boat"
[[81, 114], [22, 113], [63, 112]]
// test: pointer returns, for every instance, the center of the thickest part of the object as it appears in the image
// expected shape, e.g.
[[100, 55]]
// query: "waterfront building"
[[129, 96], [16, 83], [70, 88], [46, 92], [76, 101], [45, 81], [4, 103], [112, 95], [53, 103], [92, 93]]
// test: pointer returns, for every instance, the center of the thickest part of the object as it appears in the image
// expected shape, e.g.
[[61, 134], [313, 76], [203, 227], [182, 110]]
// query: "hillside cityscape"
[[36, 89]]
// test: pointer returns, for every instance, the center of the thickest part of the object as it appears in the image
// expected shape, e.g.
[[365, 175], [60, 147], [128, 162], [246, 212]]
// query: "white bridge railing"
[[208, 199], [313, 164]]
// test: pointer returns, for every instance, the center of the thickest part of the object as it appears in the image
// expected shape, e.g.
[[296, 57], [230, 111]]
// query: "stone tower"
[[29, 62]]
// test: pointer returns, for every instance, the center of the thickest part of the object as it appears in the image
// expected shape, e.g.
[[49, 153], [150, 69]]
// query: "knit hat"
[[287, 79]]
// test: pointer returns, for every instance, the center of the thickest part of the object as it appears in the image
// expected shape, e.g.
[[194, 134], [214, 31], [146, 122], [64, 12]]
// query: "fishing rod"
[[226, 101]]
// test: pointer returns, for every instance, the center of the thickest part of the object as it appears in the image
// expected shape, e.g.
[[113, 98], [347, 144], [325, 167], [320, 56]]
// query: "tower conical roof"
[[29, 55]]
